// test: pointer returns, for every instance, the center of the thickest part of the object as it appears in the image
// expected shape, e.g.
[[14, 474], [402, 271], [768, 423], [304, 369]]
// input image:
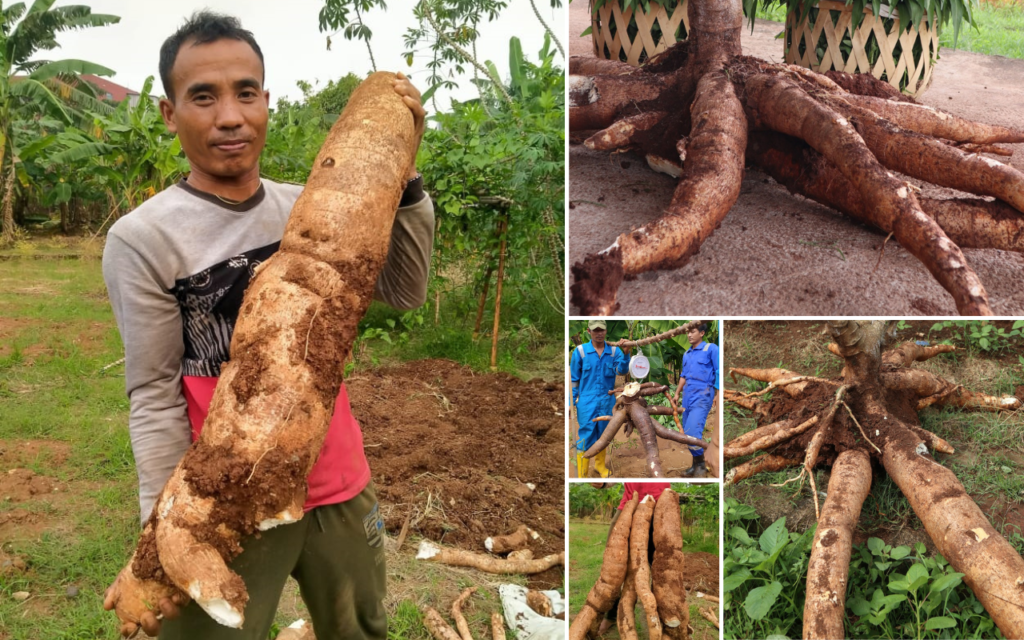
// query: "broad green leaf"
[[859, 606], [736, 579], [916, 571], [948, 581], [774, 535], [940, 622], [760, 600], [900, 552], [741, 535], [876, 545]]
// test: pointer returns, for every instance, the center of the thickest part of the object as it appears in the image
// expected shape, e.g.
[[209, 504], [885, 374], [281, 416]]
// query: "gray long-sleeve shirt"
[[176, 269]]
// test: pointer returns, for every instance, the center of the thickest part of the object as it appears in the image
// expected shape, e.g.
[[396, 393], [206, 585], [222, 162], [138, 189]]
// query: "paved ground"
[[779, 254]]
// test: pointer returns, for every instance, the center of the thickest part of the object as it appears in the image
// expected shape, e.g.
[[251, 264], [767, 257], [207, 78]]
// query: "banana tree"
[[29, 87], [129, 153]]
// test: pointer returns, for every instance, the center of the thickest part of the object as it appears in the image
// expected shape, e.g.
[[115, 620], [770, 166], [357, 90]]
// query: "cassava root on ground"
[[701, 110], [488, 564], [880, 393], [274, 401]]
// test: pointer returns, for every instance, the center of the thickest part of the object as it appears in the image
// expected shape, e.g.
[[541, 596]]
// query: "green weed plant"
[[892, 592]]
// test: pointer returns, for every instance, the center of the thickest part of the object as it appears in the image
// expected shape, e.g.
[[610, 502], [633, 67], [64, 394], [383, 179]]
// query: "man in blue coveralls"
[[700, 377], [593, 368]]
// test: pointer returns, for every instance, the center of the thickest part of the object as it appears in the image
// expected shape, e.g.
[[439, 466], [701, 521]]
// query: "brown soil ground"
[[22, 490], [626, 457], [779, 254], [451, 450]]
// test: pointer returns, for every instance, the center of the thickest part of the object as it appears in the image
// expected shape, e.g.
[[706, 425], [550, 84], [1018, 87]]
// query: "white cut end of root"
[[662, 165], [990, 162], [166, 507], [609, 249], [531, 486], [1010, 402], [534, 535], [631, 389], [582, 91], [730, 477], [285, 517], [488, 544], [672, 622], [298, 624], [427, 550], [979, 534], [222, 612], [955, 264], [700, 594], [902, 192], [647, 498], [1020, 581], [922, 449]]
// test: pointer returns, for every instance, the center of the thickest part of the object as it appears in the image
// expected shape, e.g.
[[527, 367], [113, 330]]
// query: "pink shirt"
[[644, 489], [339, 474]]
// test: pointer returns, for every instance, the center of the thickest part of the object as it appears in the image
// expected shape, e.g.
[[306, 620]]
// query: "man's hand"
[[150, 623], [679, 389], [411, 98], [626, 349]]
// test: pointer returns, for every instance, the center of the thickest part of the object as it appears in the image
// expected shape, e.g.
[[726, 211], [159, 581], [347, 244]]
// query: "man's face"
[[220, 109], [695, 335], [597, 336]]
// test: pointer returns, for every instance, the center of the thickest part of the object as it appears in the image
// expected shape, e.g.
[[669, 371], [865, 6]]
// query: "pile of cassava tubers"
[[275, 398], [627, 577]]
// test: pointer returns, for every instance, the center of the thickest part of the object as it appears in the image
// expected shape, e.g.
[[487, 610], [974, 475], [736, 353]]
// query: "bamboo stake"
[[497, 294], [483, 300]]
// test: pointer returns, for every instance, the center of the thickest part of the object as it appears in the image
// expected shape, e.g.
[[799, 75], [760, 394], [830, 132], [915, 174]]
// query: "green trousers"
[[335, 553]]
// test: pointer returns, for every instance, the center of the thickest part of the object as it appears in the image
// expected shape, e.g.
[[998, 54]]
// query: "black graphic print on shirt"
[[209, 302]]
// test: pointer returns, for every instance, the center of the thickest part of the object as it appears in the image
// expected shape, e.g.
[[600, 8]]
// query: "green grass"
[[56, 334], [998, 32]]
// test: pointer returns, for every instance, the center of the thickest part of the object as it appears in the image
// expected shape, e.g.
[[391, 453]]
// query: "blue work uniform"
[[700, 370], [593, 377]]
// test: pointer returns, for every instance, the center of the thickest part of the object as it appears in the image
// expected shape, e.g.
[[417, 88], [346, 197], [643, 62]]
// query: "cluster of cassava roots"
[[632, 411], [519, 559], [627, 576], [274, 401], [701, 110], [869, 417]]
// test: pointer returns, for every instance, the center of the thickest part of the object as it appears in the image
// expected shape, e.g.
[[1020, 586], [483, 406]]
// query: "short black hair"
[[203, 27], [703, 327]]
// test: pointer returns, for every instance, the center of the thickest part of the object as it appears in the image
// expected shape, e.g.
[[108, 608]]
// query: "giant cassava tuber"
[[274, 401]]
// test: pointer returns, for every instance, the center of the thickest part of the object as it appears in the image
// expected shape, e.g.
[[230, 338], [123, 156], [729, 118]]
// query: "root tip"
[[598, 279]]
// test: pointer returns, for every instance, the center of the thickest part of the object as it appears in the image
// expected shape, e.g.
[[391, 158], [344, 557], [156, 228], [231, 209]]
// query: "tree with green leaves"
[[29, 86]]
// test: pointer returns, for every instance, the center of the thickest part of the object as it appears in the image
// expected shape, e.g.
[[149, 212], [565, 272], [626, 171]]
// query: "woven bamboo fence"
[[610, 27], [895, 61]]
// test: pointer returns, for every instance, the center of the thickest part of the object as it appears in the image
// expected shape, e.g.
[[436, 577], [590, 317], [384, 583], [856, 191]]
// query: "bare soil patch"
[[452, 451]]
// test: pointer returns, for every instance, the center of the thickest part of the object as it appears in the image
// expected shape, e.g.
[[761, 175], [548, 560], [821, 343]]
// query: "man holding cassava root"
[[593, 368], [176, 269]]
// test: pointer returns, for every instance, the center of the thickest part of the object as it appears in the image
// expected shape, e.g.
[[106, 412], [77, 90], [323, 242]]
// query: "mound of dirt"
[[452, 450], [700, 572]]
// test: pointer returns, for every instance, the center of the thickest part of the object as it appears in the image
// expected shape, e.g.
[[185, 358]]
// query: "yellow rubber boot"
[[599, 464], [581, 466]]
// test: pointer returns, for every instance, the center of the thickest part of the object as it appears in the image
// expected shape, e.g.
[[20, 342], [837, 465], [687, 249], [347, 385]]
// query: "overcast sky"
[[293, 47]]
